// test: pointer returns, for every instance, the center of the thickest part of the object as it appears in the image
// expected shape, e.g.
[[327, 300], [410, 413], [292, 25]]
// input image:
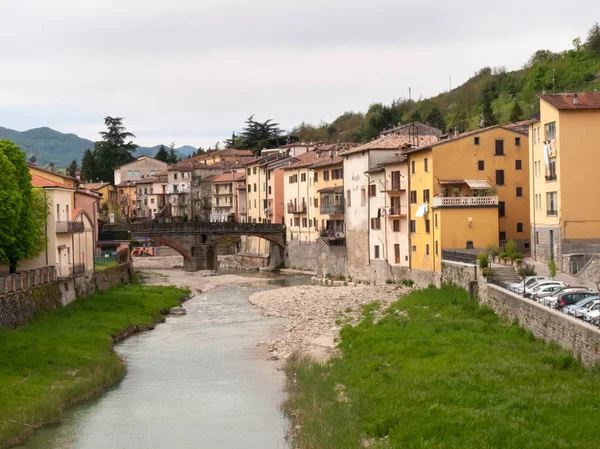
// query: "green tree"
[[88, 166], [234, 142], [416, 116], [436, 119], [258, 135], [516, 112], [26, 238], [162, 155], [173, 158], [488, 116], [593, 38], [73, 168], [114, 150]]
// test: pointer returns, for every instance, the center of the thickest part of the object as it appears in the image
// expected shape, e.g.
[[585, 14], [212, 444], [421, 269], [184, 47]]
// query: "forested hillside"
[[495, 94]]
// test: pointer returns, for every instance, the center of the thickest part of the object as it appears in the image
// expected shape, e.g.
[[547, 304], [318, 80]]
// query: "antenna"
[[409, 93]]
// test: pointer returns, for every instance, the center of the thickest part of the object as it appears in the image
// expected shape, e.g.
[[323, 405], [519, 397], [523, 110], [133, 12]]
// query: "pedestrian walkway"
[[542, 270]]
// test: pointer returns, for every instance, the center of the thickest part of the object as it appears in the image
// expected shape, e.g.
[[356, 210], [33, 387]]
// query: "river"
[[196, 381]]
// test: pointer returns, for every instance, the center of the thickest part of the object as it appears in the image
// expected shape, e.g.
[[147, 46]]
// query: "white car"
[[580, 306], [592, 313], [555, 294], [517, 287], [545, 290], [535, 287]]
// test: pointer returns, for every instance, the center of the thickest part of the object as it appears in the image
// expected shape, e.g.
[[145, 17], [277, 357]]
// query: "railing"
[[69, 227], [109, 236], [206, 227], [296, 208], [455, 256], [398, 211], [337, 209], [552, 213], [397, 186], [465, 201]]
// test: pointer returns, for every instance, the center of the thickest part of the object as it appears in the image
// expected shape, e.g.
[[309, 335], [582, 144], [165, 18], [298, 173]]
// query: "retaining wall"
[[316, 256]]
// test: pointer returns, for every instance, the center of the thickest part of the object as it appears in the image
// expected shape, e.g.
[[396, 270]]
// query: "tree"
[[172, 159], [73, 168], [22, 228], [88, 166], [234, 142], [436, 119], [516, 112], [488, 116], [259, 135], [593, 38], [162, 155], [117, 134]]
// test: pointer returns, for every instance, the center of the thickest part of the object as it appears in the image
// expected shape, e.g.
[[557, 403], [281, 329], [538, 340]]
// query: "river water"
[[197, 381]]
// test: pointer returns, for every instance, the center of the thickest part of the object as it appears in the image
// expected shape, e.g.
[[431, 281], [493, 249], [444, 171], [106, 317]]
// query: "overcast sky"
[[191, 71]]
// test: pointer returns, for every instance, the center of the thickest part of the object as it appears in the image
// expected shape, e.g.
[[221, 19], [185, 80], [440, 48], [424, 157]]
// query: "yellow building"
[[69, 181], [477, 185], [565, 156], [108, 201], [328, 196], [226, 155]]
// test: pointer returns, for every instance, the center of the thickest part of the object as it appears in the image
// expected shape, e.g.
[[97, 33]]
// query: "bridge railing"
[[208, 227]]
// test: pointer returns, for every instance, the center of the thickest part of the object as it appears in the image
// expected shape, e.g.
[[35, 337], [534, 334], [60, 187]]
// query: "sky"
[[191, 71]]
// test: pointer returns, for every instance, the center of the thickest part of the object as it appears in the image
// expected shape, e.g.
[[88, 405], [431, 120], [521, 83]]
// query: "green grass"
[[106, 266], [440, 371], [66, 355]]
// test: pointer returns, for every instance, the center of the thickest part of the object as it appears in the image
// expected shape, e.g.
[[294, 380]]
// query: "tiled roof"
[[326, 161], [39, 181], [304, 160], [583, 100], [37, 167], [395, 160], [392, 142], [229, 177], [95, 185]]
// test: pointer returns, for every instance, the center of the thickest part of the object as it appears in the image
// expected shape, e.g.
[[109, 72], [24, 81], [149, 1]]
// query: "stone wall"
[[17, 308], [461, 274], [316, 256], [252, 260], [577, 336], [591, 271], [114, 276]]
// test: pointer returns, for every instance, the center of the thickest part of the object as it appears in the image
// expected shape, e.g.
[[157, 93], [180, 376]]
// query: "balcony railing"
[[69, 227], [465, 201], [337, 209], [552, 213], [395, 186], [296, 208], [109, 236], [397, 211]]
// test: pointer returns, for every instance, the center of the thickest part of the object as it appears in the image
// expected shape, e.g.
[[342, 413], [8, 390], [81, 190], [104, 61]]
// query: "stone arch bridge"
[[196, 241]]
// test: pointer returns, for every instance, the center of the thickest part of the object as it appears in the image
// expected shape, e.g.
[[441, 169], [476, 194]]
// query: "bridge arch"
[[171, 243]]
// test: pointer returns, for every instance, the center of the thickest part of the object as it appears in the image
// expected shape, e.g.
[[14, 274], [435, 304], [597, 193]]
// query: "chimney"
[[574, 98]]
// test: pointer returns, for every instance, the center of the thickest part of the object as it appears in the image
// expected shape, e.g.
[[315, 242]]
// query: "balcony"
[[337, 209], [293, 208], [394, 186], [69, 227], [552, 213], [465, 201], [397, 211]]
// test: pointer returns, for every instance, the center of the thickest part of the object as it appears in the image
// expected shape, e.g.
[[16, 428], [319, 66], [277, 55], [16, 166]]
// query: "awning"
[[476, 184], [451, 182], [331, 189], [422, 210]]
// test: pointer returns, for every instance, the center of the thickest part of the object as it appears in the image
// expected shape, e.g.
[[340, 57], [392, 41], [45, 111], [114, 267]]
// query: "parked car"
[[552, 296], [580, 306], [535, 287], [545, 290], [517, 287], [592, 312], [570, 298]]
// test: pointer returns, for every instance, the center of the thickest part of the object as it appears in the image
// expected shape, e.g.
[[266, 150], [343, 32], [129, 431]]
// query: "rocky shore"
[[316, 314]]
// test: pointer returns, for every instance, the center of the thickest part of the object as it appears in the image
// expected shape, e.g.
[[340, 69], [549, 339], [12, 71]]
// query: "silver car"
[[580, 306]]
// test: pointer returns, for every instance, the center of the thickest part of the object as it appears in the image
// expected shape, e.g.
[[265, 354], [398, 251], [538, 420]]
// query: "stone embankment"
[[318, 313]]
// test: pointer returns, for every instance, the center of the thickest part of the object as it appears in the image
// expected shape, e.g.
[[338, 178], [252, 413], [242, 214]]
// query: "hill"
[[49, 145], [504, 96]]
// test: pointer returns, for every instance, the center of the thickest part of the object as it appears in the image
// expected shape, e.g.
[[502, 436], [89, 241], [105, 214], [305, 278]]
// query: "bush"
[[482, 259], [493, 250], [526, 270], [487, 272], [552, 268], [407, 282]]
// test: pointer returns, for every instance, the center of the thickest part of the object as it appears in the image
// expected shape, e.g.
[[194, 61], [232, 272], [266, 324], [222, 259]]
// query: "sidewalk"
[[542, 270]]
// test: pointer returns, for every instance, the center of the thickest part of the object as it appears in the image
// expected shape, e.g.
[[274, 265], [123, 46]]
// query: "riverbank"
[[438, 370], [316, 314], [66, 356]]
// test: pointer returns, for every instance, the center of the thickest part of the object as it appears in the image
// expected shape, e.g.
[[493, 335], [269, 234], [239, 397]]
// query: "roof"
[[331, 189], [39, 181], [229, 177], [300, 144], [303, 160], [139, 159], [403, 128], [463, 135], [95, 185], [400, 158], [37, 167], [574, 101], [88, 192], [75, 212], [337, 160], [392, 142]]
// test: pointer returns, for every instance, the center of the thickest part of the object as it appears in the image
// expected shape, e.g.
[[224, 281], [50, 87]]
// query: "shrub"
[[552, 268], [511, 247], [526, 270], [407, 282], [482, 259], [493, 250], [487, 272]]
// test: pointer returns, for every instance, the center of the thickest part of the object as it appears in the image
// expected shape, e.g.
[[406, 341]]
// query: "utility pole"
[[450, 83], [409, 93]]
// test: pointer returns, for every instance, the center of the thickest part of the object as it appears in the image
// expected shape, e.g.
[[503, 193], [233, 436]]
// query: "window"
[[395, 180], [130, 173], [499, 148], [58, 212], [551, 204], [427, 226], [337, 173], [396, 225], [253, 170], [551, 169], [436, 248], [518, 165], [372, 190], [174, 175], [550, 129], [363, 197], [315, 224], [248, 172], [255, 204], [519, 192], [413, 226], [519, 227], [375, 223], [316, 176], [426, 196], [476, 140], [502, 236], [412, 167], [264, 187], [537, 238], [376, 251], [254, 187], [326, 175], [249, 188], [396, 253], [297, 222], [305, 223], [517, 141], [269, 188], [435, 220], [414, 248], [316, 202], [145, 201], [348, 198], [291, 219], [501, 209], [427, 249], [303, 177], [499, 177], [426, 165], [413, 197], [151, 200], [480, 165]]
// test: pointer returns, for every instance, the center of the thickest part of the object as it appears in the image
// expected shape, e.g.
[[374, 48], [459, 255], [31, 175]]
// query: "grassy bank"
[[439, 371], [65, 356]]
